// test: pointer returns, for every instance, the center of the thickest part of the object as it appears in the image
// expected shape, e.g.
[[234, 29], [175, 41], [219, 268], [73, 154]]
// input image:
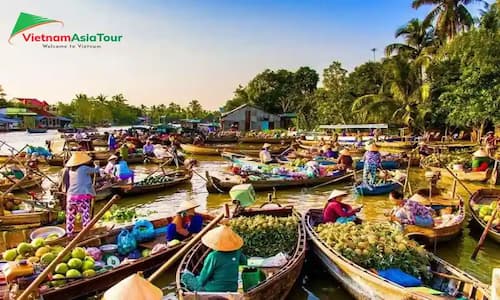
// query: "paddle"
[[39, 279], [454, 176], [485, 233], [187, 247]]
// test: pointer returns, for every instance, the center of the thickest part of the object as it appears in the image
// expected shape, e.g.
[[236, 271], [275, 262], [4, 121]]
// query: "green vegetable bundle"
[[266, 236], [153, 180], [377, 246]]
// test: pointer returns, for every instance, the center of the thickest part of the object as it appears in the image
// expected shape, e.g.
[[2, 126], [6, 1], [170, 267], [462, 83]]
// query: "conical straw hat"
[[222, 238], [78, 158], [336, 193], [372, 147], [187, 205], [133, 287], [480, 153], [266, 145], [345, 152]]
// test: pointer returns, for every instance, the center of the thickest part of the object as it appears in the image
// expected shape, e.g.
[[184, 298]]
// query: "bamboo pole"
[[485, 233], [186, 247], [34, 285], [407, 180]]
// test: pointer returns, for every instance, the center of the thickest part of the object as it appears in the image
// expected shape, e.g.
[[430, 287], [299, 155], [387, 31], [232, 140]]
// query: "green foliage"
[[3, 95]]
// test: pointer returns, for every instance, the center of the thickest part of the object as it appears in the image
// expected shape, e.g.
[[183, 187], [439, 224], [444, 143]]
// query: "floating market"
[[228, 151]]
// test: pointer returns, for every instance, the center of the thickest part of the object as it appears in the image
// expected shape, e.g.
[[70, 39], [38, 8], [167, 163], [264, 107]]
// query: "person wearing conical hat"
[[108, 170], [372, 161], [186, 221], [336, 211], [411, 211], [265, 154], [480, 161], [344, 162], [79, 188], [221, 265]]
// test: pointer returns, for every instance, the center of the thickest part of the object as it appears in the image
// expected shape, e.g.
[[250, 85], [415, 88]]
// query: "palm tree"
[[418, 37], [101, 98], [451, 16], [403, 94]]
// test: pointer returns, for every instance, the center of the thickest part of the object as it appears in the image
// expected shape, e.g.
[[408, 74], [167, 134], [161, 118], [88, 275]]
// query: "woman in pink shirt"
[[336, 211]]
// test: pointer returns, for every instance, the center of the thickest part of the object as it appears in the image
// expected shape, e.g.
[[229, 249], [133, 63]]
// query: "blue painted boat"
[[386, 164], [379, 189]]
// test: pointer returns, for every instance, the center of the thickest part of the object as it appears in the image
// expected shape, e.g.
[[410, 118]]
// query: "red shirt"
[[335, 209]]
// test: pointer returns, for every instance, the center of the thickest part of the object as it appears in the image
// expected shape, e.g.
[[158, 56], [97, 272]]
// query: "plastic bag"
[[143, 230], [126, 242]]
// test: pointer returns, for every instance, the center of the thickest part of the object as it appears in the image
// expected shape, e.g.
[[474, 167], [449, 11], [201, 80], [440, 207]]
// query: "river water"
[[315, 282]]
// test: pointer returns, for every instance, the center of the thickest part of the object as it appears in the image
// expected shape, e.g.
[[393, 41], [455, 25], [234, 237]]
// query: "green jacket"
[[220, 271]]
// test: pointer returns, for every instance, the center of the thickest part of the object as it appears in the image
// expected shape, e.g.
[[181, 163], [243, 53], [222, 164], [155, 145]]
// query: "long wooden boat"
[[378, 189], [216, 185], [36, 130], [386, 164], [25, 184], [481, 176], [397, 144], [261, 140], [139, 189], [136, 158], [439, 233], [217, 150], [35, 219], [484, 196], [364, 284], [103, 281], [278, 282]]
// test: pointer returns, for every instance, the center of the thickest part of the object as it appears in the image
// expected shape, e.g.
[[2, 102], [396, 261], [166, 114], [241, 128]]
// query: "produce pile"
[[266, 236], [449, 159], [377, 246], [485, 212], [120, 215], [151, 180], [10, 202]]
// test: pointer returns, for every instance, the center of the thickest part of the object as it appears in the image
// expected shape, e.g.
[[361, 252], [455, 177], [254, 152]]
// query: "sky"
[[177, 51]]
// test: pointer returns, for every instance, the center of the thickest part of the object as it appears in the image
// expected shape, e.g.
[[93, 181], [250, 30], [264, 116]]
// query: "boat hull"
[[484, 196], [277, 286], [377, 189], [36, 130], [215, 185], [217, 150]]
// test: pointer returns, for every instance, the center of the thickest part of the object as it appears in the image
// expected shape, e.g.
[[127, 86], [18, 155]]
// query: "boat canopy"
[[354, 126]]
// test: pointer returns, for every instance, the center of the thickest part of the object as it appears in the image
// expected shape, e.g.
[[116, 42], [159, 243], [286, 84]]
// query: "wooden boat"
[[134, 158], [36, 130], [481, 176], [439, 233], [217, 150], [25, 184], [216, 185], [178, 178], [103, 281], [484, 196], [278, 282], [378, 189], [386, 164], [260, 140], [397, 144], [355, 152], [364, 284]]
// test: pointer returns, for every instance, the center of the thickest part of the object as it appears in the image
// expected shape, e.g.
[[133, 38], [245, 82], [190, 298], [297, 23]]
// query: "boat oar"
[[186, 247], [485, 233], [454, 176], [39, 279]]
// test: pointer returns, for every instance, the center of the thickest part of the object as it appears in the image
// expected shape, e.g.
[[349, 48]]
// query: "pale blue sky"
[[183, 50]]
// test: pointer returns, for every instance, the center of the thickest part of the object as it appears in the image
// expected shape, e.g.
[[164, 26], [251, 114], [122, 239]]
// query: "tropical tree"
[[450, 16], [403, 96], [418, 38]]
